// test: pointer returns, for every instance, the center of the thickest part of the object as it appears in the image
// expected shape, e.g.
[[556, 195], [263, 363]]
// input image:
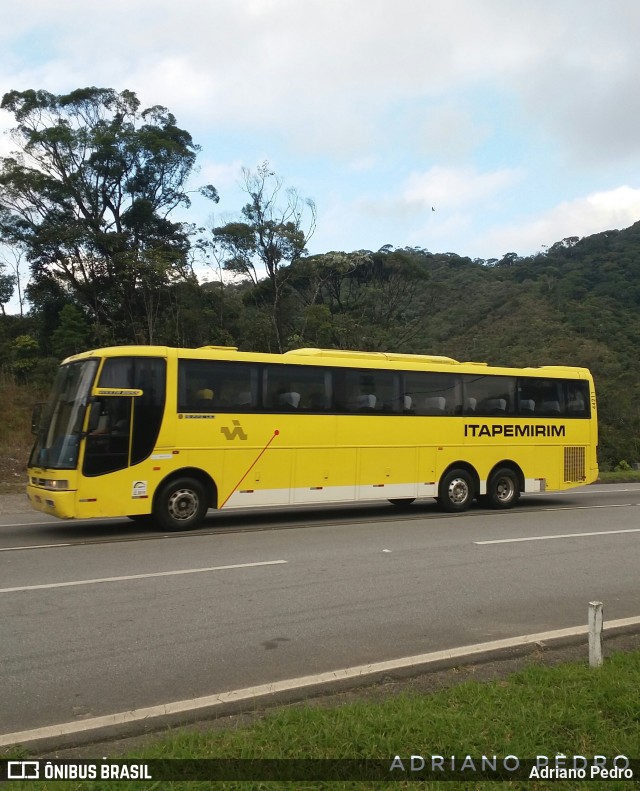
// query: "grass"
[[569, 709], [15, 433], [620, 476]]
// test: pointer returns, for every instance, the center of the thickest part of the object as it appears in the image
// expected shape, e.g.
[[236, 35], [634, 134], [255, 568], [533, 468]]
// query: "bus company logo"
[[236, 431], [513, 430]]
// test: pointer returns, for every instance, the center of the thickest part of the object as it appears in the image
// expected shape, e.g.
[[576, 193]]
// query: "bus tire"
[[402, 502], [181, 504], [456, 491], [503, 489]]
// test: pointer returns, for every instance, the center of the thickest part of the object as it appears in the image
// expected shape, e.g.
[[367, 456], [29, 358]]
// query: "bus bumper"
[[60, 504]]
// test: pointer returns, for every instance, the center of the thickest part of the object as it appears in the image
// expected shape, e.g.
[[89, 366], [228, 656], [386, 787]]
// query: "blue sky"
[[518, 122]]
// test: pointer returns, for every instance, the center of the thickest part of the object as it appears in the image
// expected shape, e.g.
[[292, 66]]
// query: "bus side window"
[[242, 400], [577, 399], [366, 402], [527, 406], [289, 401], [435, 405], [550, 409], [317, 402], [433, 393]]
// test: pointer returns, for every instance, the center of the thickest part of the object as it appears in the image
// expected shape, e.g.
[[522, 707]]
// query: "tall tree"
[[273, 234], [12, 258], [88, 196], [7, 286]]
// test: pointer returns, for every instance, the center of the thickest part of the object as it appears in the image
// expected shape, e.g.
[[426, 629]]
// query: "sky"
[[477, 127]]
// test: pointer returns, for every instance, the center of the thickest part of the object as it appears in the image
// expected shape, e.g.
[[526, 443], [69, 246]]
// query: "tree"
[[12, 258], [268, 239], [363, 300], [88, 196], [7, 286], [71, 335]]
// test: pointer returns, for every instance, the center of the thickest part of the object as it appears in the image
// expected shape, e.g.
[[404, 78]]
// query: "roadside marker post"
[[595, 634]]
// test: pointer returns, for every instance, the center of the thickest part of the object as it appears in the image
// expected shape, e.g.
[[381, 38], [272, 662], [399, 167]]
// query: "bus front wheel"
[[503, 489], [456, 491], [181, 504]]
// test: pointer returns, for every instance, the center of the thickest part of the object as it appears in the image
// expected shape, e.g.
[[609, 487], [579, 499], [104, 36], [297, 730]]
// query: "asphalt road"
[[103, 617]]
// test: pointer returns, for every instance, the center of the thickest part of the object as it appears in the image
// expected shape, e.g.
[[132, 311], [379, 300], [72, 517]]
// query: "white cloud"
[[600, 211], [329, 75], [221, 174], [441, 189], [346, 98], [451, 188]]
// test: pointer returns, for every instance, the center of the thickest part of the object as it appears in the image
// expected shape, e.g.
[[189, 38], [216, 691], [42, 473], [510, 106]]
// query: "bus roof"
[[338, 357]]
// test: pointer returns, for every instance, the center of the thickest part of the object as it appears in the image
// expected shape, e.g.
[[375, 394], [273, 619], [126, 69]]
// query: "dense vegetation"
[[85, 202]]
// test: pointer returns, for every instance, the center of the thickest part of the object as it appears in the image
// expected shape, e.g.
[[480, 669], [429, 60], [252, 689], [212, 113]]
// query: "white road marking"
[[563, 535], [602, 489], [589, 507], [249, 693], [36, 546], [140, 576]]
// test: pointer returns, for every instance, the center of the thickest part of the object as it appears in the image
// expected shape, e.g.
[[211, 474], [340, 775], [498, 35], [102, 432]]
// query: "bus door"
[[110, 431]]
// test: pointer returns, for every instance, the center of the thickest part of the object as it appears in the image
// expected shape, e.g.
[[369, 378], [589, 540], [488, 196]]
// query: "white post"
[[595, 634]]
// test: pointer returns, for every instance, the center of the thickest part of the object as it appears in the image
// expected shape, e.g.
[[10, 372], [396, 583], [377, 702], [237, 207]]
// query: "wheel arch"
[[191, 472], [463, 465]]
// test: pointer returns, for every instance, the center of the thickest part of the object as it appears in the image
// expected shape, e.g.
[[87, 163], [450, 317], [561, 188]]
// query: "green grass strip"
[[568, 709]]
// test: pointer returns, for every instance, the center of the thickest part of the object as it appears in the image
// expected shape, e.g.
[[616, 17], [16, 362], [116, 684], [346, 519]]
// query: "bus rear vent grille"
[[574, 465]]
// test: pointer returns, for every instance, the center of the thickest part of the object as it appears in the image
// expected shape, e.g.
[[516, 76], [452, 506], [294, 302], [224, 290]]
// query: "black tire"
[[503, 489], [456, 491], [181, 504], [403, 502]]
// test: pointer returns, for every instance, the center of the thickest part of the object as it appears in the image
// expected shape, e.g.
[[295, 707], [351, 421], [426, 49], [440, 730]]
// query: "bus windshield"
[[58, 436]]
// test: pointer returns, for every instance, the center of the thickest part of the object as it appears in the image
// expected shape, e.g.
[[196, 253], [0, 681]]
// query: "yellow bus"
[[165, 434]]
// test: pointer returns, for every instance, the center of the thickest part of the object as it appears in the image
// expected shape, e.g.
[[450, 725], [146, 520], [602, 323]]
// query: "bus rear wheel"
[[181, 504], [456, 491], [503, 489]]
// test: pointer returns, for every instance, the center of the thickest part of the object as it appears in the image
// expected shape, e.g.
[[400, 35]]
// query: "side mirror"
[[36, 418]]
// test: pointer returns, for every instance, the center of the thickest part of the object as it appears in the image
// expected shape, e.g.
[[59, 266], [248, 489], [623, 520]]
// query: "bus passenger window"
[[214, 385], [544, 396], [527, 406], [204, 400], [495, 406], [290, 388], [550, 409], [433, 393], [366, 402], [289, 401], [577, 399], [242, 400], [494, 395], [435, 405], [317, 402]]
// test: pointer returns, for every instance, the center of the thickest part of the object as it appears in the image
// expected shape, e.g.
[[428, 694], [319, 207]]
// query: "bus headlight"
[[49, 483]]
